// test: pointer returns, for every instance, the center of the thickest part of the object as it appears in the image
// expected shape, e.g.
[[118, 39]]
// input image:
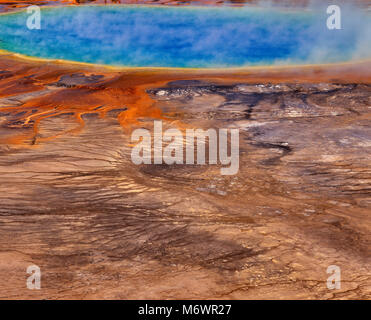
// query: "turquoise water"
[[184, 37]]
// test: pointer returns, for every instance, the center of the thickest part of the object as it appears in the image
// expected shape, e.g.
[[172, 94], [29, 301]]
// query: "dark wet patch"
[[116, 112], [187, 83], [77, 79], [90, 115], [5, 74]]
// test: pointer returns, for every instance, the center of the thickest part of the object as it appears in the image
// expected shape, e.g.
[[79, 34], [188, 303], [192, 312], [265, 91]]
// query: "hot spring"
[[186, 37]]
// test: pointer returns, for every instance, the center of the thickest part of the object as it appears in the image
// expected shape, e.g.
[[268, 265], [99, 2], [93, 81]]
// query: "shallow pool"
[[185, 37]]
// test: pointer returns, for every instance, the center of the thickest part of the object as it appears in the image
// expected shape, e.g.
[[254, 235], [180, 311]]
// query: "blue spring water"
[[184, 37]]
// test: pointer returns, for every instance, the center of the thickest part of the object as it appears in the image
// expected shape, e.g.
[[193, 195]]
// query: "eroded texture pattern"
[[73, 203]]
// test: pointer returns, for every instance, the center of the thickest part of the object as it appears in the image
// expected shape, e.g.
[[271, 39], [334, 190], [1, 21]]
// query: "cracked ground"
[[98, 226]]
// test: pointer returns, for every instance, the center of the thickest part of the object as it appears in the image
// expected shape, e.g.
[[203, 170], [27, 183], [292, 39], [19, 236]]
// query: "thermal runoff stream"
[[186, 37]]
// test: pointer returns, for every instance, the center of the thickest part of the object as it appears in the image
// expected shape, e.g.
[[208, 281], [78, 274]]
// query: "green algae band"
[[186, 37]]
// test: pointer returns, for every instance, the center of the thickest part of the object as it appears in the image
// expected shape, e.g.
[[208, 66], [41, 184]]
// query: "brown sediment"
[[73, 203]]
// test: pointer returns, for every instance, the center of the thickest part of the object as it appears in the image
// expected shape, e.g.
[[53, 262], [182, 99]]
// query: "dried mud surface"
[[98, 226]]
